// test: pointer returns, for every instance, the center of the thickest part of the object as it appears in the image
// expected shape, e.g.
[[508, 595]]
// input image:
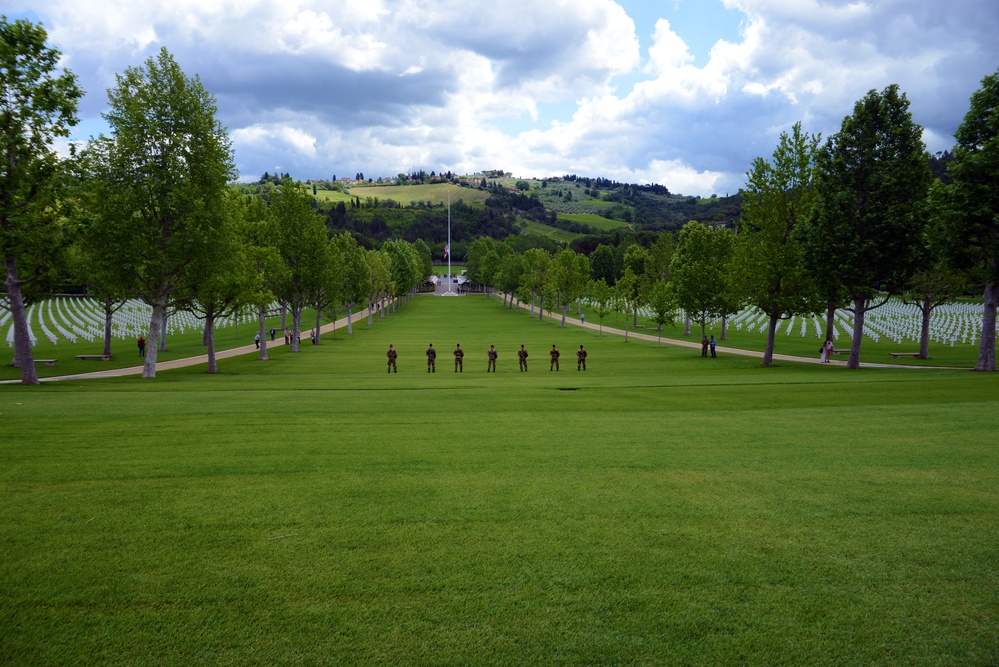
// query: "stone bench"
[[102, 357]]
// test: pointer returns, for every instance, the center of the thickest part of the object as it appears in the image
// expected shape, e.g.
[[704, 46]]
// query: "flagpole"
[[448, 241]]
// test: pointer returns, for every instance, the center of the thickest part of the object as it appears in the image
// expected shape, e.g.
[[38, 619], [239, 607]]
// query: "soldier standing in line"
[[554, 355], [459, 354], [391, 354], [581, 359], [522, 355], [492, 359], [431, 359]]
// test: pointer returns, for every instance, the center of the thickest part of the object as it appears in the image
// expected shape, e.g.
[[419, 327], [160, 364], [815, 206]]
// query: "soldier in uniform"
[[522, 355], [431, 359], [492, 359], [554, 355], [391, 354], [581, 358], [459, 354]]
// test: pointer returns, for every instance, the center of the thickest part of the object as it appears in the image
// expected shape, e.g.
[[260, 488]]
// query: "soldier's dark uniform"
[[522, 355], [459, 354], [391, 354], [492, 359], [431, 359], [581, 358], [554, 355]]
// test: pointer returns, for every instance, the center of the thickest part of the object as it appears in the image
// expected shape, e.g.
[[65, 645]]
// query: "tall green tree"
[[699, 281], [379, 281], [300, 239], [603, 264], [768, 266], [230, 283], [567, 276], [601, 300], [510, 270], [37, 105], [873, 177], [355, 275], [534, 278], [162, 178], [663, 306], [971, 205]]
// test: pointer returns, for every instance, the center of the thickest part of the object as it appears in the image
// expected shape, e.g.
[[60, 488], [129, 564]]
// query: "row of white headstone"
[[73, 318], [897, 321]]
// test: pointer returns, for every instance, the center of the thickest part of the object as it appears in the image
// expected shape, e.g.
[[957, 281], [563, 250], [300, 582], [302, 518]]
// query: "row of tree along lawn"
[[150, 212]]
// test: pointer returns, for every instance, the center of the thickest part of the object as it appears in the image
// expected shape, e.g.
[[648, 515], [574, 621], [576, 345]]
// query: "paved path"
[[342, 323], [200, 359]]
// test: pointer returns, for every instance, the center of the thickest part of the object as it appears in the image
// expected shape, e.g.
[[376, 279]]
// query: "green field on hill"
[[435, 193], [658, 508], [593, 220]]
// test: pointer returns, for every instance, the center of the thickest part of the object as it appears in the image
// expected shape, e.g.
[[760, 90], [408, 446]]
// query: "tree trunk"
[[830, 318], [768, 354], [22, 337], [108, 315], [156, 320], [204, 333], [532, 306], [724, 332], [634, 324], [686, 324], [350, 324], [319, 323], [262, 319], [371, 310], [859, 310], [987, 349], [210, 338], [284, 314], [924, 330], [165, 321], [296, 327], [541, 308], [564, 309]]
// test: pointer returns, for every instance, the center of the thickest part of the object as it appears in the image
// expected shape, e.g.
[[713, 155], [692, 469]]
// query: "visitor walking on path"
[[142, 346], [713, 343]]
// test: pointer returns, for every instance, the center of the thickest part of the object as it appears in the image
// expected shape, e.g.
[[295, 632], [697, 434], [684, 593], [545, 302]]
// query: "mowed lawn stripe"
[[670, 510]]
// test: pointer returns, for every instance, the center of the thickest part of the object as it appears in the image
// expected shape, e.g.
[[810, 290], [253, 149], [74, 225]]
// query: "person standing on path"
[[581, 359], [392, 354], [273, 332], [554, 355], [459, 355], [256, 339], [142, 346], [491, 366], [704, 346], [522, 355], [713, 343], [431, 359]]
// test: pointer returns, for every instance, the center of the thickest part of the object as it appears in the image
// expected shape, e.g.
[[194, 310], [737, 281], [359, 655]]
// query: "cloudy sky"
[[679, 92]]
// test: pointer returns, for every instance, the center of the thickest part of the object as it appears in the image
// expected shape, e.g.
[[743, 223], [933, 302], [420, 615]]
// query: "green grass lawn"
[[659, 508], [125, 353], [539, 229]]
